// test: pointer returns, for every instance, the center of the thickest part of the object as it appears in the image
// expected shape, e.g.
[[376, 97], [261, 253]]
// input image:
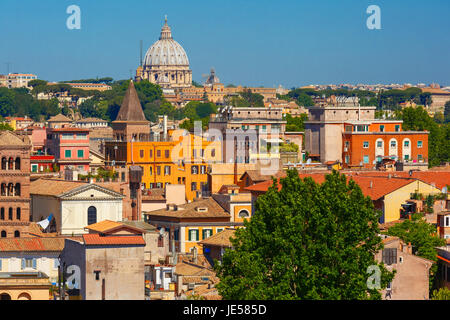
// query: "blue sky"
[[248, 42]]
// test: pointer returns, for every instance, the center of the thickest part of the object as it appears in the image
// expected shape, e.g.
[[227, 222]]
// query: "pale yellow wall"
[[12, 262], [123, 271], [394, 200], [28, 293]]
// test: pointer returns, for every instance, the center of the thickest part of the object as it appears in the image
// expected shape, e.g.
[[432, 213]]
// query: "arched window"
[[10, 163], [3, 234], [17, 234], [17, 213], [92, 215], [17, 189], [3, 189], [244, 214], [5, 296], [10, 213], [24, 296], [10, 189], [4, 163], [2, 213], [17, 163]]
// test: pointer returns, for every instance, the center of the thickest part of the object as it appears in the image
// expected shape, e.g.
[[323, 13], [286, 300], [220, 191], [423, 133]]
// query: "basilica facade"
[[166, 63]]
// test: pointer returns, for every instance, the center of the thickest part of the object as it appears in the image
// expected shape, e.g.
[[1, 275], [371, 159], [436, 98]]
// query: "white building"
[[31, 255], [73, 204]]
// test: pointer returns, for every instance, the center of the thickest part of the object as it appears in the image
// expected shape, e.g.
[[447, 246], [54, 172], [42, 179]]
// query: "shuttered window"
[[193, 235], [207, 233], [390, 256]]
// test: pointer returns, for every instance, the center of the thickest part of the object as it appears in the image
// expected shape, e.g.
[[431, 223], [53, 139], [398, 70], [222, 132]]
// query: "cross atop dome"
[[166, 33]]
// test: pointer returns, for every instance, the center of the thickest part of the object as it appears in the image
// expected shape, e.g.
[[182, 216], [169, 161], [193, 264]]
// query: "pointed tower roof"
[[131, 109]]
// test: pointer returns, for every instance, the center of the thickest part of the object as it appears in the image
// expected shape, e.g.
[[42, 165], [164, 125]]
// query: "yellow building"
[[174, 157], [24, 286]]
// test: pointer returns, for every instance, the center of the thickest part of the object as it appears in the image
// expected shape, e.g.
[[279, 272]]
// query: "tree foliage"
[[296, 124], [307, 241], [421, 235], [441, 294], [439, 138]]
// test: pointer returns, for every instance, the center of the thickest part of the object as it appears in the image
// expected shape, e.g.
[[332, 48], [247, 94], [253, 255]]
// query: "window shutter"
[[23, 263], [34, 263], [197, 233], [203, 234], [0, 264]]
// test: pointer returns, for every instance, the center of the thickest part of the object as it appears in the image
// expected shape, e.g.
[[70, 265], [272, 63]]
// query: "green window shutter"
[[204, 234], [80, 154], [0, 264], [68, 154]]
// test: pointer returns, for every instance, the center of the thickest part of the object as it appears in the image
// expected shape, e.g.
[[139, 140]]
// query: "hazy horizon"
[[251, 43]]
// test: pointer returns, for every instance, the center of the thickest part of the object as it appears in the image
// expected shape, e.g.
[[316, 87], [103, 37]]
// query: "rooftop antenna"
[[140, 61], [7, 67]]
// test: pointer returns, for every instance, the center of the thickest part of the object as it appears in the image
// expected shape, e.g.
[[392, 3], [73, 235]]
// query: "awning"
[[273, 140]]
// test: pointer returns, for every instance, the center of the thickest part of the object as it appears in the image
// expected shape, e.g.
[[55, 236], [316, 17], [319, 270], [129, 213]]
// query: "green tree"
[[6, 102], [441, 294], [447, 112], [4, 126], [422, 236], [307, 241], [296, 124]]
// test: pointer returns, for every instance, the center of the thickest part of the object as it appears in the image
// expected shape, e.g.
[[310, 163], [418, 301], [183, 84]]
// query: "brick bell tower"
[[131, 124]]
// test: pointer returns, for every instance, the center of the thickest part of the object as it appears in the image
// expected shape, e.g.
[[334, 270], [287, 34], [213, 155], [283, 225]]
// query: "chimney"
[[165, 125]]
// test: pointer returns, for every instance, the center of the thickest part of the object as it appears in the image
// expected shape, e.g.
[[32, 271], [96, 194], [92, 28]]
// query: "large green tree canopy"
[[306, 241]]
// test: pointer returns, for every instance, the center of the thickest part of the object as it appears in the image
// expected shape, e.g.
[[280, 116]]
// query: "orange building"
[[365, 145]]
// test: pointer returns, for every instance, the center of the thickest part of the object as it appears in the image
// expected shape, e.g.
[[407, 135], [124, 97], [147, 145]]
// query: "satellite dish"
[[162, 231], [444, 189], [308, 161]]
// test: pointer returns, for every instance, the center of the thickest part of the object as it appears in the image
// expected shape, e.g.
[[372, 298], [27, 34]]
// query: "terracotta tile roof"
[[375, 186], [103, 226], [56, 187], [192, 210], [53, 187], [8, 138], [35, 230], [387, 225], [70, 129], [192, 270], [221, 239], [257, 176], [32, 244], [439, 178], [95, 239], [59, 118], [154, 195], [205, 292]]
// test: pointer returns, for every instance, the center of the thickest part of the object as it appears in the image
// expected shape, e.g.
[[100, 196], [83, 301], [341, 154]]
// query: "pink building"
[[37, 136], [70, 146]]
